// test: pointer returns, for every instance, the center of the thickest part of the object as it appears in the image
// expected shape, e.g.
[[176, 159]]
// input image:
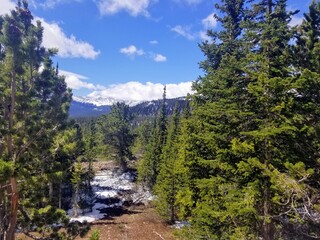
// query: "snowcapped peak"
[[104, 101]]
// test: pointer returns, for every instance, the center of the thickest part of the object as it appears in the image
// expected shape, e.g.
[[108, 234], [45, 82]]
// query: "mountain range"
[[103, 101], [94, 107]]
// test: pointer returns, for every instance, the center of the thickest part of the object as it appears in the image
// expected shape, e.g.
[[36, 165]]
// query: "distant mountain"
[[150, 108], [106, 101], [80, 109], [86, 107]]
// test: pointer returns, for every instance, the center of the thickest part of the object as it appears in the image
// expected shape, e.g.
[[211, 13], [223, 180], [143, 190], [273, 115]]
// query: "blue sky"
[[128, 49]]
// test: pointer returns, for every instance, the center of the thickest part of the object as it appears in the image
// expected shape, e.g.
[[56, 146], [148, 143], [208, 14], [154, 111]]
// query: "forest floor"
[[135, 222], [140, 223], [130, 221]]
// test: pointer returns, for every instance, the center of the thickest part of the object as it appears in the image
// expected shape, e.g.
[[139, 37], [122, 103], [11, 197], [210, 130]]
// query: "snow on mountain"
[[93, 107], [108, 101]]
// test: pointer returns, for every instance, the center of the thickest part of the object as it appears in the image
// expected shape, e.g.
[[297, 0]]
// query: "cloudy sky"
[[128, 49]]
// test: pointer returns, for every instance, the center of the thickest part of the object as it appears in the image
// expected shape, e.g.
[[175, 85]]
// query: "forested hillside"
[[239, 159]]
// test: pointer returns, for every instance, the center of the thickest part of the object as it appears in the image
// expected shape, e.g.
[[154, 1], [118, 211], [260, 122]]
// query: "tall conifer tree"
[[33, 104], [149, 165], [116, 127], [246, 131], [167, 183], [307, 47]]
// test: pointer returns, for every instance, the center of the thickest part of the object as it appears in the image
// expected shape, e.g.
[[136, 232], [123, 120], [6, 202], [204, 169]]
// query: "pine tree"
[[167, 183], [149, 165], [33, 107], [213, 195], [77, 173], [91, 153], [116, 127], [143, 136], [245, 130], [307, 47], [226, 41], [76, 182]]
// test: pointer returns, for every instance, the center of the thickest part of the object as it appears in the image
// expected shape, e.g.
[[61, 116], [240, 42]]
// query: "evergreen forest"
[[239, 159]]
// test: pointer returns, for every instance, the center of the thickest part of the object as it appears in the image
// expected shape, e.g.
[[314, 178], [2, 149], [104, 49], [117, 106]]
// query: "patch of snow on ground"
[[110, 186], [106, 194], [142, 196], [181, 224]]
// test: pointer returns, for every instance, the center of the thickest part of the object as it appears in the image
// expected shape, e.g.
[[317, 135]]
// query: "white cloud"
[[178, 90], [184, 31], [153, 42], [133, 7], [136, 91], [159, 58], [132, 51], [53, 3], [76, 81], [295, 21], [210, 21], [6, 6], [54, 37], [204, 36]]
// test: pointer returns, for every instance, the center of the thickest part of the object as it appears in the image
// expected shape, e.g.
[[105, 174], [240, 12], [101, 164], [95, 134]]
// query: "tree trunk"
[[172, 200], [2, 209], [50, 186], [269, 7], [11, 114], [14, 210], [267, 221], [267, 230], [60, 195], [9, 233], [75, 211], [123, 165]]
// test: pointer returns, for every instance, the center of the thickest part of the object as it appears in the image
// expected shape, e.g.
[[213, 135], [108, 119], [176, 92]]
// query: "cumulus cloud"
[[6, 6], [133, 7], [132, 51], [136, 91], [295, 21], [76, 81], [159, 58], [210, 21], [153, 42], [184, 31], [54, 37]]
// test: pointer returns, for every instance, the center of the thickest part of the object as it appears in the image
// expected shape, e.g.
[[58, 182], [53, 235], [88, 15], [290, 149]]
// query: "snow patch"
[[112, 190], [181, 224], [91, 216]]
